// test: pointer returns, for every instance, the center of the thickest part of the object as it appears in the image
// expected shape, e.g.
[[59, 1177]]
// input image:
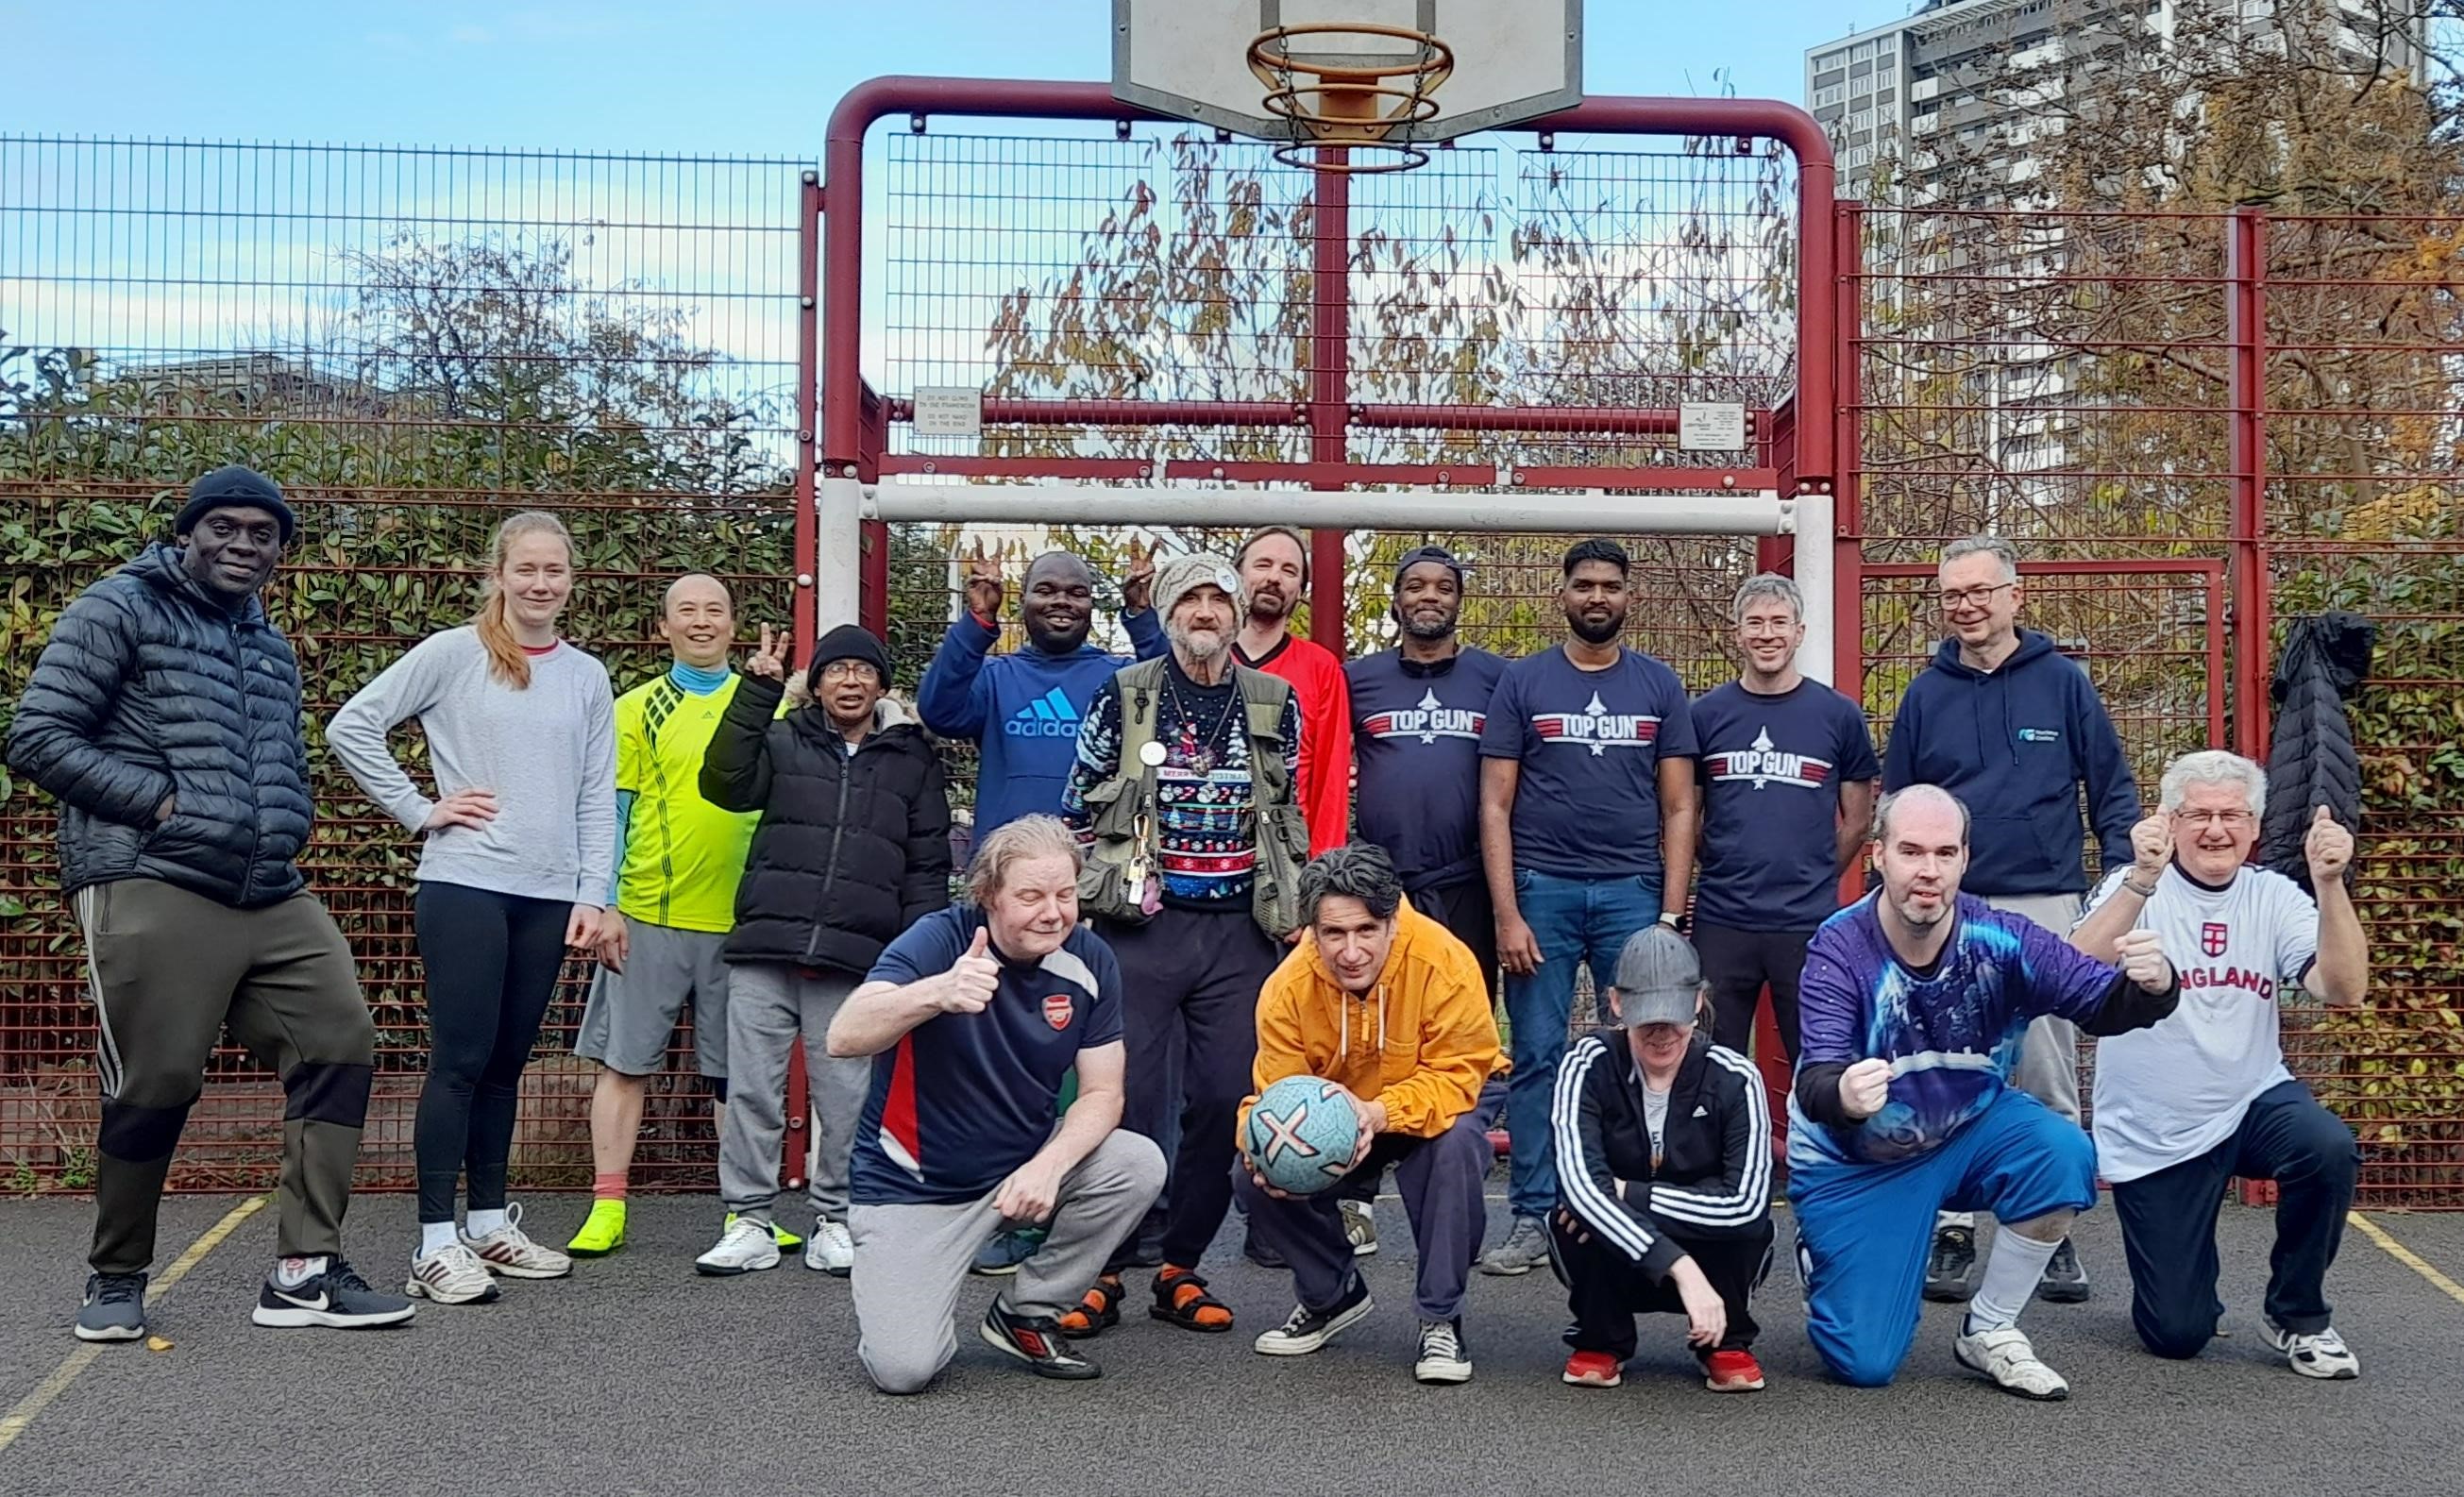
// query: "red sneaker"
[[1732, 1372], [1593, 1370]]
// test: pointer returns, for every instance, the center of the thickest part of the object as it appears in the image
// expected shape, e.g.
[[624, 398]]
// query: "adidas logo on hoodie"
[[1048, 716]]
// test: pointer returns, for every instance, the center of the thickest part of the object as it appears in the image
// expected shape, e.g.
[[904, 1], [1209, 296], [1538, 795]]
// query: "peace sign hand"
[[985, 587], [770, 661], [1137, 589]]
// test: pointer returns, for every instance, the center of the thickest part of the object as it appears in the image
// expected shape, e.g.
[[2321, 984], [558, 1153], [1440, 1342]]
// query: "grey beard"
[[1443, 629], [1189, 648]]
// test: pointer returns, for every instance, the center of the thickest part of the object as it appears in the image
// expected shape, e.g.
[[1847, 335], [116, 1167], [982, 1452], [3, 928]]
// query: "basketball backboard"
[[1511, 59]]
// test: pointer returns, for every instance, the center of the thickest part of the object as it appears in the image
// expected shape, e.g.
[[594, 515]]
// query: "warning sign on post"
[[958, 410], [1707, 425]]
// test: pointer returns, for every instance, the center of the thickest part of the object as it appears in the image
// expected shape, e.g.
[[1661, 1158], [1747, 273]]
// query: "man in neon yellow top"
[[678, 860]]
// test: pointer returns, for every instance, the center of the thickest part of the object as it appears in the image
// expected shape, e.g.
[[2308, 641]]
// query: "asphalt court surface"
[[636, 1376]]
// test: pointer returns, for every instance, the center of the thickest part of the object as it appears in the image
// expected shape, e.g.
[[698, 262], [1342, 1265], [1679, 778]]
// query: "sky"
[[739, 78]]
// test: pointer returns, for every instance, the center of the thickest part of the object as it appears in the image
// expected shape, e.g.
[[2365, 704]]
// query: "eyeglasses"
[[2228, 820], [1969, 597], [848, 671]]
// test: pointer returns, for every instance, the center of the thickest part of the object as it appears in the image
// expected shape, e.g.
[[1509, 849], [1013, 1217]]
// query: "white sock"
[[483, 1223], [1952, 1219], [434, 1237], [293, 1273], [2010, 1277]]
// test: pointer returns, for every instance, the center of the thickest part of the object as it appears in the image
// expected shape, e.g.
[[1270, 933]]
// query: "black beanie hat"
[[235, 488], [848, 642]]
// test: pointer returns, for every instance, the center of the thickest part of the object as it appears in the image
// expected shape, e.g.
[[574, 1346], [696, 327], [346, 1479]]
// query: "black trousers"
[[2168, 1222], [1605, 1289], [1737, 964], [491, 962], [1189, 983]]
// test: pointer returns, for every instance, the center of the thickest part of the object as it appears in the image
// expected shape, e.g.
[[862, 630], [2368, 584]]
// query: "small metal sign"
[[1707, 425], [954, 411]]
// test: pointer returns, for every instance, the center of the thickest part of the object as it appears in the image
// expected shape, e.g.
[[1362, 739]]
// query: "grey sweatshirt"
[[549, 752]]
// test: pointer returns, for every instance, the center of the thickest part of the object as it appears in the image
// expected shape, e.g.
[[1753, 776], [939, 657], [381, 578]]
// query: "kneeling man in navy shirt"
[[972, 1018]]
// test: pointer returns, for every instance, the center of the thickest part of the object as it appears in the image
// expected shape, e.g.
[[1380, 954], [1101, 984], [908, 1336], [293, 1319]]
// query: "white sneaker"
[[830, 1249], [508, 1250], [2323, 1355], [746, 1246], [450, 1275], [2009, 1360], [1360, 1226]]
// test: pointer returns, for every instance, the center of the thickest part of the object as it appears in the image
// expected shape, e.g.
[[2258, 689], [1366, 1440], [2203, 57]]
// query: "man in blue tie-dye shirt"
[[1914, 1004]]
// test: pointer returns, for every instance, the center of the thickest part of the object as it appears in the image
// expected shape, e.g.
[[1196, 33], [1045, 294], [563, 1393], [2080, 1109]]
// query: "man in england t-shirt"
[[1589, 814], [2204, 1096]]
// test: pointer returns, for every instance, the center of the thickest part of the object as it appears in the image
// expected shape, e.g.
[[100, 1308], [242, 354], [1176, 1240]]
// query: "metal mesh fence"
[[414, 344]]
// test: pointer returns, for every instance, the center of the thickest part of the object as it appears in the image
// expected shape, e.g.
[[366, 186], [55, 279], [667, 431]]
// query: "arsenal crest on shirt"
[[2212, 938], [1056, 1010]]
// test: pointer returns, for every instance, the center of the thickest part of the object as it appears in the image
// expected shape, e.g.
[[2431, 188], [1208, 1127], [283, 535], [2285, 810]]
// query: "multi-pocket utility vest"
[[1123, 873]]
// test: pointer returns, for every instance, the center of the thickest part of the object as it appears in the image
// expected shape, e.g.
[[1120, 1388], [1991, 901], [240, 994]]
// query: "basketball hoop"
[[1363, 101]]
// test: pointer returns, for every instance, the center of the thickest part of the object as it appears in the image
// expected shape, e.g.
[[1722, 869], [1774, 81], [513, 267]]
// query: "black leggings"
[[492, 961]]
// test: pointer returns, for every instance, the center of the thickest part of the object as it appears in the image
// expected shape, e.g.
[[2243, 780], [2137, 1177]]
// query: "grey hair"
[[1011, 843], [1995, 546], [1355, 870], [1934, 794], [1767, 584], [2214, 767]]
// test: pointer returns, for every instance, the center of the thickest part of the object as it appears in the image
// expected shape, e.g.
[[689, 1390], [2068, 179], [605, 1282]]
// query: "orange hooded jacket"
[[1423, 1040]]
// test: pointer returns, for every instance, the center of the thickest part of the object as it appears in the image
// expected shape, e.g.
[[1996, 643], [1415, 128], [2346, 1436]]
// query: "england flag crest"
[[2213, 937]]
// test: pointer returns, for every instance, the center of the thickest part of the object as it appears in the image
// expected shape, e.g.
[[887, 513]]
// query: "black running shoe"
[[115, 1308], [2065, 1282], [1951, 1275], [1037, 1341], [336, 1297]]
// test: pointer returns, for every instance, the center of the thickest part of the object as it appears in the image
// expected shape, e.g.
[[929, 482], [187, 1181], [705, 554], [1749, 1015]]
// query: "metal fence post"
[[2246, 393]]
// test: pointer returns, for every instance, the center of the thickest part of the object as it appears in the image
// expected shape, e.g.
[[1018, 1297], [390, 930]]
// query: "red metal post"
[[873, 435], [1847, 424], [1330, 378], [2246, 384]]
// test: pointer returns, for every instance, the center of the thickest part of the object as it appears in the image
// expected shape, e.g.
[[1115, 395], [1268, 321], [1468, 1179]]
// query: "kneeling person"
[[1663, 1147], [1383, 1002], [972, 1018]]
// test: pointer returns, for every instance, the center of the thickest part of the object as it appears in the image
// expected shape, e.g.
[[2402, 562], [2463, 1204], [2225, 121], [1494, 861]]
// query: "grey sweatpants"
[[2049, 1056], [769, 1006], [909, 1261]]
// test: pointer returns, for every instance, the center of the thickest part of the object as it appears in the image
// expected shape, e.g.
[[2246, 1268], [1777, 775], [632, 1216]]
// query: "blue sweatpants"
[[1862, 1230]]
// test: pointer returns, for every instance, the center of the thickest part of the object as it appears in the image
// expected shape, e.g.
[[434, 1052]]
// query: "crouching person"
[[1387, 1003], [1664, 1145], [972, 1018]]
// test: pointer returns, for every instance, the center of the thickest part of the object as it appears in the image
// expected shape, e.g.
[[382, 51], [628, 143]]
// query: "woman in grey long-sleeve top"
[[516, 858]]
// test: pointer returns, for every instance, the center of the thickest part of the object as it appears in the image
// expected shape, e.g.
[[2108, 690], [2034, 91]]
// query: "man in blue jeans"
[[1589, 814]]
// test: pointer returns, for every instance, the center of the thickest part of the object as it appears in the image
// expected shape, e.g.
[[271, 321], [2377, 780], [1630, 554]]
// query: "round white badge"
[[1150, 754]]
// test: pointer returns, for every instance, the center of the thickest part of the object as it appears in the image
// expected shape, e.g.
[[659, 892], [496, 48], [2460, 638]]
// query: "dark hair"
[[1356, 870], [1287, 533], [1597, 549]]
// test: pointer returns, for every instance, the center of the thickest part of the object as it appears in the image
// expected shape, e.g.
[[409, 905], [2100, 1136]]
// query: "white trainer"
[[510, 1252], [1444, 1356], [450, 1275], [2320, 1354], [746, 1246], [830, 1249], [2006, 1357]]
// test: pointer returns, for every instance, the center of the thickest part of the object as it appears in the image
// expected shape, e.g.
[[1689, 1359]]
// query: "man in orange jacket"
[[1384, 1002]]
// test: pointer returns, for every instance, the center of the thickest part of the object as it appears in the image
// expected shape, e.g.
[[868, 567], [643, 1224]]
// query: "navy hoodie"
[[1021, 709], [2016, 744]]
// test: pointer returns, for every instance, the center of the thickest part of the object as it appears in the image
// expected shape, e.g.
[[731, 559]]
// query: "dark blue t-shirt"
[[964, 1099], [1772, 769], [1416, 736], [1591, 743]]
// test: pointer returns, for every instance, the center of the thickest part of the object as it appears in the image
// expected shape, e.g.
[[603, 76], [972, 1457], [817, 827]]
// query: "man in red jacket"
[[1273, 563]]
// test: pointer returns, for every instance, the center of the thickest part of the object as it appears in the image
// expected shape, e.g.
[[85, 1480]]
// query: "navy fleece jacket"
[[2016, 744]]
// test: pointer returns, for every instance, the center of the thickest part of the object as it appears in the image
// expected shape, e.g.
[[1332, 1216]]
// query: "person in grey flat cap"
[[1663, 1149]]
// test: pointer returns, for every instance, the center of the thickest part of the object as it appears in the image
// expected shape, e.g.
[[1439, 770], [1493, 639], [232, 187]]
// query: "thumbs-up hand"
[[2143, 959], [969, 984], [2328, 847]]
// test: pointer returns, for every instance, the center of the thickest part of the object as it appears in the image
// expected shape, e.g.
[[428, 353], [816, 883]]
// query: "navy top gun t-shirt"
[[964, 1099], [1772, 769], [1590, 741]]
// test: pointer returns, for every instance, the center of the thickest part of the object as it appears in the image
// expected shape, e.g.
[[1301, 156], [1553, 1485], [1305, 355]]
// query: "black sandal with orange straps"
[[1099, 1311]]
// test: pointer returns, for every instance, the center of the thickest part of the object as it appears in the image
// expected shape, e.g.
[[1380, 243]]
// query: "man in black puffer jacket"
[[164, 715], [853, 846]]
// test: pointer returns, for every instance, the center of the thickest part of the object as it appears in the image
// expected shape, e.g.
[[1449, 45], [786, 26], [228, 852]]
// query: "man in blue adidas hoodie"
[[1022, 708], [2015, 731]]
